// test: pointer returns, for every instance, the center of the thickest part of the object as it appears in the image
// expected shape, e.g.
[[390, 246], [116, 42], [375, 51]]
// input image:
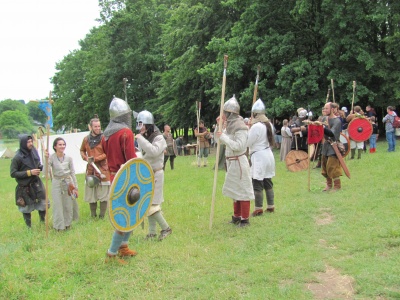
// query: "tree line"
[[171, 53]]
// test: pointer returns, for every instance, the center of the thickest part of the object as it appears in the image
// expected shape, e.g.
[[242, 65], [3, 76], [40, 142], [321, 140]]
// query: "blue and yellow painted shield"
[[131, 194]]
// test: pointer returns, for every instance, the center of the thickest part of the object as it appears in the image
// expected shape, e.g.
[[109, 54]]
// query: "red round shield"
[[360, 129]]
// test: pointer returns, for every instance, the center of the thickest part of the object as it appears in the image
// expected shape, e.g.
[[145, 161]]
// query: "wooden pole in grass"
[[47, 174], [221, 111]]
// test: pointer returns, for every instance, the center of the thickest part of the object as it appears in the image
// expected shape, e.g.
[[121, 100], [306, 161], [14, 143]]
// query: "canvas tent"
[[74, 142], [7, 153]]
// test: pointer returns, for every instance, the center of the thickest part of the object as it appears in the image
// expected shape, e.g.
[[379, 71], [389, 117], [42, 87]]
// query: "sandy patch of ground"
[[332, 285], [325, 217]]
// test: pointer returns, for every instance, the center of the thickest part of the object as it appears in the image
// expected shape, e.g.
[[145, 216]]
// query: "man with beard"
[[97, 185], [118, 144], [331, 168], [25, 168]]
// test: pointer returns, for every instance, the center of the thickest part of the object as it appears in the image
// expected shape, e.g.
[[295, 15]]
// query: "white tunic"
[[238, 184], [262, 158], [154, 154]]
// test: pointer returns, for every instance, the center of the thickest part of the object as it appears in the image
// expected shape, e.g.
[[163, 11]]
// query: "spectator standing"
[[169, 152], [278, 134], [390, 130], [179, 145], [286, 140], [372, 139], [203, 134]]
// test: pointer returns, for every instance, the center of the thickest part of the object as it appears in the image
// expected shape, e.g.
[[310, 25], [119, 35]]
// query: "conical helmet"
[[232, 106], [144, 117], [118, 107], [258, 107]]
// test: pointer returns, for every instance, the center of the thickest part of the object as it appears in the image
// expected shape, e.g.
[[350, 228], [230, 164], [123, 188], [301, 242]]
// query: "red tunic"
[[119, 148]]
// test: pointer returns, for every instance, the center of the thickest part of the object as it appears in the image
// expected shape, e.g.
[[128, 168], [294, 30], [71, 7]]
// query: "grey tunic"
[[335, 126], [63, 204]]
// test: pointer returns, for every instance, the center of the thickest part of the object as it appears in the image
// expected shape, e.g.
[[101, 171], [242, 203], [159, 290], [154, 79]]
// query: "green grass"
[[274, 258]]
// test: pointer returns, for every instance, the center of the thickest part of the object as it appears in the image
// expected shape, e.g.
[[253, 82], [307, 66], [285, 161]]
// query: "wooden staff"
[[333, 91], [198, 107], [256, 86], [354, 92], [47, 173], [221, 112], [327, 95]]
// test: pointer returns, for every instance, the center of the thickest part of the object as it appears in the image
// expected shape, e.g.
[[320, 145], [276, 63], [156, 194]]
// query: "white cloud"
[[34, 36]]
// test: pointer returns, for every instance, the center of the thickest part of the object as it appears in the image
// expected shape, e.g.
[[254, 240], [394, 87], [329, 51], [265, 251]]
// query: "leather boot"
[[353, 152], [235, 220], [257, 212], [28, 219], [328, 184], [244, 223], [359, 153], [125, 251], [110, 258], [42, 215], [337, 184]]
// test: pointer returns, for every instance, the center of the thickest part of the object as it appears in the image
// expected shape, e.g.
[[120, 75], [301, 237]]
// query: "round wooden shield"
[[346, 143], [360, 129], [297, 160], [131, 194]]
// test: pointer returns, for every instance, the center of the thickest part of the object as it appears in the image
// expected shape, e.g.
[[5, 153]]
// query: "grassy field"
[[316, 245]]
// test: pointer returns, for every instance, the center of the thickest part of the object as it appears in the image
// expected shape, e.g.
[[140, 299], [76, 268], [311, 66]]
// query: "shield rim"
[[112, 187], [356, 139], [306, 160], [348, 144]]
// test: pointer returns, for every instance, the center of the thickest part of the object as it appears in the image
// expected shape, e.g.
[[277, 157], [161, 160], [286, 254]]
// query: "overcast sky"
[[34, 36]]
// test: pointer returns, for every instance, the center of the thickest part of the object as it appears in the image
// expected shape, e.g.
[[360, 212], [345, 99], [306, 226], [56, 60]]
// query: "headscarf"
[[29, 157]]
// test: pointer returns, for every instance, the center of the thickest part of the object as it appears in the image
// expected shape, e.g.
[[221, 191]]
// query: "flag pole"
[[221, 111], [47, 172]]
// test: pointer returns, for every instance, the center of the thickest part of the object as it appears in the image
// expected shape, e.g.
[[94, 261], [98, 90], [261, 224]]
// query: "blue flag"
[[46, 107]]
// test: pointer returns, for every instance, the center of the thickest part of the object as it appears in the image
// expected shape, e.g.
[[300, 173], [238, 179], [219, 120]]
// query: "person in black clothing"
[[30, 192]]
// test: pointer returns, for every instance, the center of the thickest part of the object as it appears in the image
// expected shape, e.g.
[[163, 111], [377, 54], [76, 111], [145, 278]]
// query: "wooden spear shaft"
[[333, 91], [47, 174], [221, 112], [354, 92], [327, 95], [256, 86]]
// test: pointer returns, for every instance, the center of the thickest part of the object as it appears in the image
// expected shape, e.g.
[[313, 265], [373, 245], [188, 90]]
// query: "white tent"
[[74, 142], [7, 153]]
